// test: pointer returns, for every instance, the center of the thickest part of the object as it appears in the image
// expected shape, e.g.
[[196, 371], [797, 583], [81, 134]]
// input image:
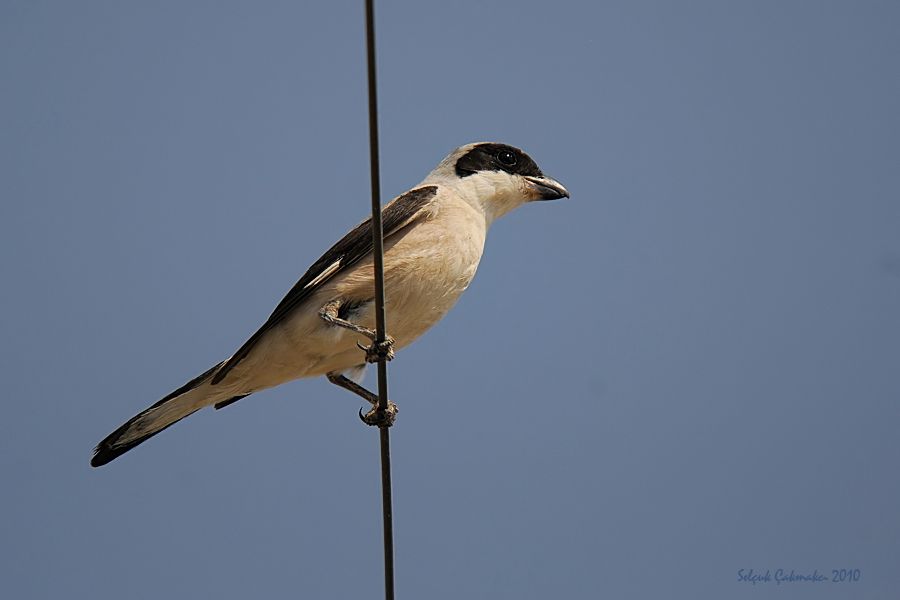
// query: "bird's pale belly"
[[413, 306], [437, 266], [418, 293]]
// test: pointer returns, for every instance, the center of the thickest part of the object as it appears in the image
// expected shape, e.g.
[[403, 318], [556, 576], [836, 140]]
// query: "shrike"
[[433, 239]]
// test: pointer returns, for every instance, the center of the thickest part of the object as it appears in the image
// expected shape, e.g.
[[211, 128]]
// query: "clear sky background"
[[689, 368]]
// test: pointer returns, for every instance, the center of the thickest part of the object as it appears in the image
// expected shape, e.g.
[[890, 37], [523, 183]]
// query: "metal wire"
[[378, 252]]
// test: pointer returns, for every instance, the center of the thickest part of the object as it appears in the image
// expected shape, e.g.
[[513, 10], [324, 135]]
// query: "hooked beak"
[[546, 188]]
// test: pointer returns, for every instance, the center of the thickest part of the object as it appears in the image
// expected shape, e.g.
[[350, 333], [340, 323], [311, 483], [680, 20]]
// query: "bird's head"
[[495, 176]]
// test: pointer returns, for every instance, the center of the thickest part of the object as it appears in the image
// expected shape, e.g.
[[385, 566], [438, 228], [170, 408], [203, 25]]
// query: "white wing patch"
[[324, 274]]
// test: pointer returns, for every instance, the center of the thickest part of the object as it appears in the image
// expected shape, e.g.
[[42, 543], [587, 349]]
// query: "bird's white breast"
[[427, 266]]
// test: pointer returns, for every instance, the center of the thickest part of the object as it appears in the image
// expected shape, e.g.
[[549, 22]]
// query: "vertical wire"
[[380, 327]]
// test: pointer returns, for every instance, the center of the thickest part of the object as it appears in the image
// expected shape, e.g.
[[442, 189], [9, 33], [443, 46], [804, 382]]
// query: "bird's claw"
[[378, 418], [379, 351]]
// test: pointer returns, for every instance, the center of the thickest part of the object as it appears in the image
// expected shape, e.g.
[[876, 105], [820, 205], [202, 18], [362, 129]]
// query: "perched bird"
[[433, 239]]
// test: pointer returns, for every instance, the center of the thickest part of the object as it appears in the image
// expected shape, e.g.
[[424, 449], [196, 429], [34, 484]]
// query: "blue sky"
[[687, 369]]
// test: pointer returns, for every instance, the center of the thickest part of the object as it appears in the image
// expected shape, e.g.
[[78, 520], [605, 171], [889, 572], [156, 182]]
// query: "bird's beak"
[[546, 188]]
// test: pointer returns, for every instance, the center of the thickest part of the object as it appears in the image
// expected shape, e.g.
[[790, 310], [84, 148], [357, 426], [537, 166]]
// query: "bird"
[[434, 236]]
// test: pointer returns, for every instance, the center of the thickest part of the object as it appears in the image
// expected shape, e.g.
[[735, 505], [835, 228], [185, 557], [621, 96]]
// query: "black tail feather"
[[108, 450], [189, 385], [230, 401]]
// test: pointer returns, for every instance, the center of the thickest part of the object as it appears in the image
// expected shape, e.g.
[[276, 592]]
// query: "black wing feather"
[[352, 248]]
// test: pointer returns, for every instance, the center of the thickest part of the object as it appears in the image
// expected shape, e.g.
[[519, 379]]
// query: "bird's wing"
[[352, 248]]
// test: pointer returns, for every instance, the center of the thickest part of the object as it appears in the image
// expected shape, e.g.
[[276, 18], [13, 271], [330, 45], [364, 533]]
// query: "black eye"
[[507, 158]]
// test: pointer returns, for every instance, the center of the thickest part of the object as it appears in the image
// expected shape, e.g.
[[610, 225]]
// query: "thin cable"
[[378, 252]]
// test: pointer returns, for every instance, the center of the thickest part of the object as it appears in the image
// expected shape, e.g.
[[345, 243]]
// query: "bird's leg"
[[377, 351], [374, 416]]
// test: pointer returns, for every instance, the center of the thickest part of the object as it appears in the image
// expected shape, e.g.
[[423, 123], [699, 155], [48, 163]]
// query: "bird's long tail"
[[184, 401]]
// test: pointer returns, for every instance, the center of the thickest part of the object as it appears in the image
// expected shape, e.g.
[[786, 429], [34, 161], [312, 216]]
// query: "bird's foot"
[[378, 351], [378, 418]]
